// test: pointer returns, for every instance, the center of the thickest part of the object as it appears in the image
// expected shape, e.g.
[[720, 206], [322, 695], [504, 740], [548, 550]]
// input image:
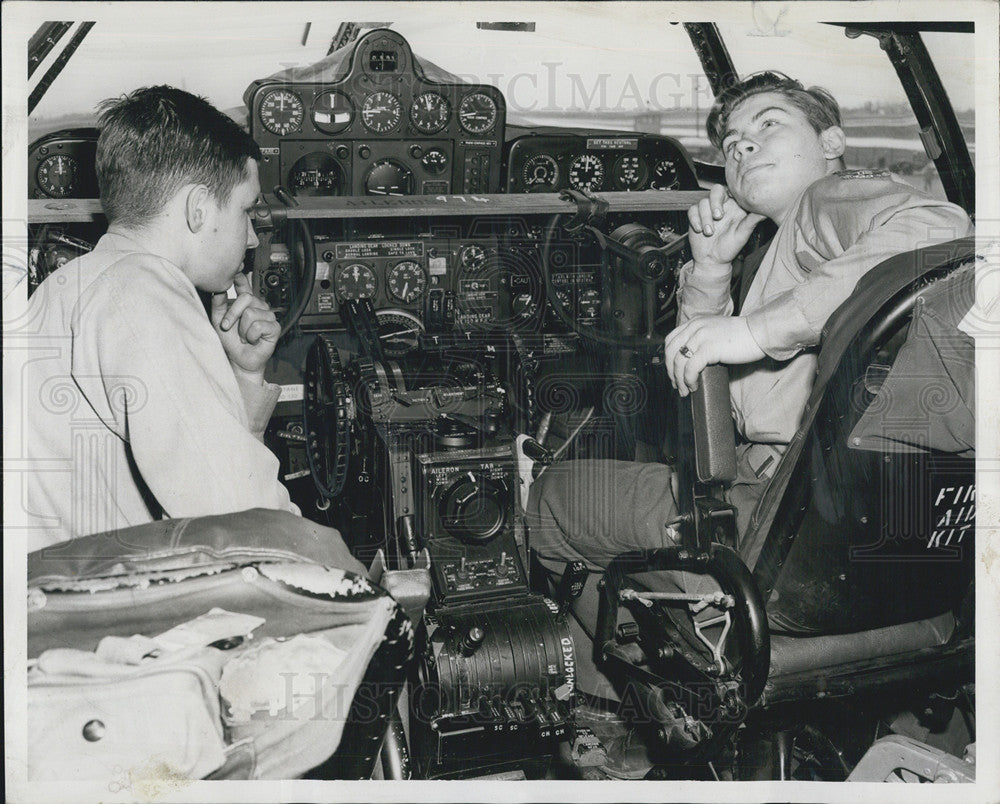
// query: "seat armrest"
[[714, 437]]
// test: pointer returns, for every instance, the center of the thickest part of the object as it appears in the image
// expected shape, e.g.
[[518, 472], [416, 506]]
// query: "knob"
[[364, 151], [343, 152], [93, 730], [471, 641]]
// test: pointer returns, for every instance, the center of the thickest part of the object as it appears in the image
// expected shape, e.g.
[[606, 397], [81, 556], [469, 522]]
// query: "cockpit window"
[[592, 68], [881, 129], [953, 58]]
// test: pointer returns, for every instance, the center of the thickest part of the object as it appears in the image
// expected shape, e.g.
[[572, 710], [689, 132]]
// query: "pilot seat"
[[856, 573]]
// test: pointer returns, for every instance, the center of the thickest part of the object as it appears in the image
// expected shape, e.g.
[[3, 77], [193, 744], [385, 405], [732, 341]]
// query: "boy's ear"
[[834, 142], [196, 206]]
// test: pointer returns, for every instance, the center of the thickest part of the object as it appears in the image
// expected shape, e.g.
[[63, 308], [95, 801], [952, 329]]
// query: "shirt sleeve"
[[702, 293], [259, 401], [187, 422], [844, 227]]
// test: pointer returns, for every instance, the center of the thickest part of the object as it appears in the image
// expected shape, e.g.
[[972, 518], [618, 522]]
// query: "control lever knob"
[[471, 641]]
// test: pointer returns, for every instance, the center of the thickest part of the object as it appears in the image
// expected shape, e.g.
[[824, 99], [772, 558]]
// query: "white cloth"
[[130, 404], [844, 225]]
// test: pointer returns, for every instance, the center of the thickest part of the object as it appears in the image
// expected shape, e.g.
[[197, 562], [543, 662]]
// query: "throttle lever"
[[359, 319]]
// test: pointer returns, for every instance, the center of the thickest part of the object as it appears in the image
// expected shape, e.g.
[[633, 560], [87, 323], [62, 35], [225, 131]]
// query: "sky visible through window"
[[587, 65]]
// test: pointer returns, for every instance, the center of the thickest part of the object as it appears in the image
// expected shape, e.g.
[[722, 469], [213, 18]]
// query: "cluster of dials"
[[283, 111], [590, 171], [405, 281], [319, 174]]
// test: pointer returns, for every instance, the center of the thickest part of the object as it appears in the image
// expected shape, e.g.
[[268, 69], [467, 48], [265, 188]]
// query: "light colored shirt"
[[843, 226], [130, 405]]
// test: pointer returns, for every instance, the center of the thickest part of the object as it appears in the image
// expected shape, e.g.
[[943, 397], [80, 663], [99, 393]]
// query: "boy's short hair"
[[155, 140], [816, 103]]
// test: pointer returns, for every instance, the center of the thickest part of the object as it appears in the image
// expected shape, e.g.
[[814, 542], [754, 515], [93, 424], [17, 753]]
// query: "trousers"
[[594, 510]]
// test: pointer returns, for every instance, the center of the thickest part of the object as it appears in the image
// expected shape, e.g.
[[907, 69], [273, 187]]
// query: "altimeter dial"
[[381, 112]]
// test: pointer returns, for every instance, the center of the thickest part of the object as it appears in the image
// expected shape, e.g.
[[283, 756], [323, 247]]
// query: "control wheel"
[[327, 415], [472, 508]]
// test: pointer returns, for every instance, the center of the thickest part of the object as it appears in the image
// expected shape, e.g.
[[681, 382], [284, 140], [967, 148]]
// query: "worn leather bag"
[[224, 647]]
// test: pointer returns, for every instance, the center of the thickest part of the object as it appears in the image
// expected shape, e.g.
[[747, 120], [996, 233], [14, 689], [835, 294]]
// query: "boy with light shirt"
[[783, 147], [139, 405]]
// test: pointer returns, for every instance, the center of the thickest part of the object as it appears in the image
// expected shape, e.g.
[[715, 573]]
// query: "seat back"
[[869, 519]]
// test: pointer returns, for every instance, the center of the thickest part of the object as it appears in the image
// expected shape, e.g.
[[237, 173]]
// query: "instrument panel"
[[438, 283], [61, 165], [370, 122], [372, 119], [546, 163]]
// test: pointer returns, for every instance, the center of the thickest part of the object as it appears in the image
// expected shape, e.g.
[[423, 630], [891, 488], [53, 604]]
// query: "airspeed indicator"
[[586, 172], [281, 112]]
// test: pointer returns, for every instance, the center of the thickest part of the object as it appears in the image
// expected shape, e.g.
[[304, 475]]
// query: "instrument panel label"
[[375, 249], [612, 143]]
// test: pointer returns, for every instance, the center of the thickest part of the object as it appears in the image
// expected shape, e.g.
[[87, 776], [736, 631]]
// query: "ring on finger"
[[685, 351]]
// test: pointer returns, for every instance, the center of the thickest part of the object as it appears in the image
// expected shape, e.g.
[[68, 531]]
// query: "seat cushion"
[[795, 654]]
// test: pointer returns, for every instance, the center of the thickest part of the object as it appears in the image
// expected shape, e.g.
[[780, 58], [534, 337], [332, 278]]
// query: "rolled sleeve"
[[780, 328], [702, 293]]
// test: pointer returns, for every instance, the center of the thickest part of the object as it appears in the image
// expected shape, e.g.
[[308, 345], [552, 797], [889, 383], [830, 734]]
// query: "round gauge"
[[398, 331], [56, 175], [406, 281], [282, 111], [388, 177], [523, 307], [586, 172], [354, 282], [429, 113], [629, 172], [588, 305], [541, 171], [665, 176], [565, 301], [524, 287], [332, 112], [477, 113], [381, 112], [434, 161], [472, 257], [316, 173]]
